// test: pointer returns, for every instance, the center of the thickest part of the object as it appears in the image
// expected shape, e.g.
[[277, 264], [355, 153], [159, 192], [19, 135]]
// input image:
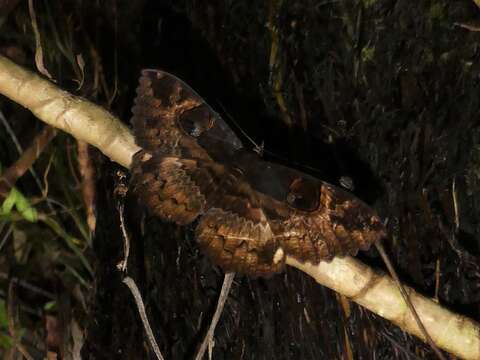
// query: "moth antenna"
[[406, 298], [257, 148], [260, 149]]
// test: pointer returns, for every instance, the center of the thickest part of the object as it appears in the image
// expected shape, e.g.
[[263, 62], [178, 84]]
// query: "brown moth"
[[251, 213]]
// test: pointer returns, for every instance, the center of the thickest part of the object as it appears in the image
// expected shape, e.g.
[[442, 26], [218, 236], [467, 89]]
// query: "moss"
[[367, 54]]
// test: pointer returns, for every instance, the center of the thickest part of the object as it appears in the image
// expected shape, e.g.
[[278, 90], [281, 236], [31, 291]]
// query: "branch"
[[379, 293], [74, 115], [25, 162], [374, 291], [143, 315], [208, 339]]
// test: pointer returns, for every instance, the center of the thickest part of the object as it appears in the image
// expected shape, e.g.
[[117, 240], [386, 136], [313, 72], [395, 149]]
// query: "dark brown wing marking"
[[165, 186], [312, 220], [233, 230], [339, 226], [252, 213], [238, 243], [169, 120], [169, 117]]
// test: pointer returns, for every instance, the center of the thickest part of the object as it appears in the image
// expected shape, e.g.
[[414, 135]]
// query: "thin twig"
[[126, 243], [406, 297], [455, 205], [69, 239], [87, 172], [227, 283], [38, 43], [469, 27], [19, 148], [28, 286], [143, 315], [120, 192], [6, 236], [25, 161]]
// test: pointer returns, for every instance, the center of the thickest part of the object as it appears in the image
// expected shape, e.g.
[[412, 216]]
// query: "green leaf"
[[25, 208], [9, 202], [30, 214], [50, 306], [5, 341], [21, 203]]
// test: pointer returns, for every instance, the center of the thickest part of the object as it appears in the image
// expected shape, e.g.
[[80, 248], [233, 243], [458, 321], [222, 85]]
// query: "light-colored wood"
[[372, 290], [72, 114], [379, 293]]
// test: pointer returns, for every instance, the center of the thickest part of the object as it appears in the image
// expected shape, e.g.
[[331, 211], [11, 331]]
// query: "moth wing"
[[171, 118]]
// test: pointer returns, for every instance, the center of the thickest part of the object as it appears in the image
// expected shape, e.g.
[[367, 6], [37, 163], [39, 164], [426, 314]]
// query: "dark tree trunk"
[[384, 93], [380, 96]]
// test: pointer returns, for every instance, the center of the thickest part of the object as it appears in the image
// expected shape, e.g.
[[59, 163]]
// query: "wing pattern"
[[251, 213]]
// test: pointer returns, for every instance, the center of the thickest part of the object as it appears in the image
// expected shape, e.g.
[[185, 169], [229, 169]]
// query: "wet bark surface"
[[379, 95], [382, 93]]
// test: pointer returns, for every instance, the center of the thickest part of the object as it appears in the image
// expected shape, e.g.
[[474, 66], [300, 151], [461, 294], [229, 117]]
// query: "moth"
[[249, 214]]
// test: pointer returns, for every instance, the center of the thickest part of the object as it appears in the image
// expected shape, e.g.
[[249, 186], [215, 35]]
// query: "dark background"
[[384, 93]]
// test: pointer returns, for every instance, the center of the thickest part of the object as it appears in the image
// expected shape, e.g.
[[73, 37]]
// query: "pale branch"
[[143, 315], [72, 114], [374, 291], [379, 293], [208, 339]]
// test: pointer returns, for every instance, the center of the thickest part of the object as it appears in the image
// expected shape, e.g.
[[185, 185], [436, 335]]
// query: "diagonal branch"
[[379, 293], [29, 156], [376, 292], [72, 114]]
